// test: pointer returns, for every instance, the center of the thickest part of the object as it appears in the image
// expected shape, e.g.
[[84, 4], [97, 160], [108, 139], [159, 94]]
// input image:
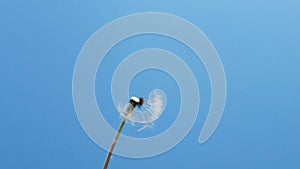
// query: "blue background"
[[258, 43]]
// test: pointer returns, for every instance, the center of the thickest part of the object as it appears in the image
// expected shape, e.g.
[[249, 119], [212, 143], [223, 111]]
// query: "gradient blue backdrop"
[[259, 45]]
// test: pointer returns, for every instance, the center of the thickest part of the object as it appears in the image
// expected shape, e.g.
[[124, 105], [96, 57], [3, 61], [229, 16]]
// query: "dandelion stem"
[[129, 110]]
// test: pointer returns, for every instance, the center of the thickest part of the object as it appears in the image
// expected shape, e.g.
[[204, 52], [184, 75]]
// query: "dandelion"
[[146, 113]]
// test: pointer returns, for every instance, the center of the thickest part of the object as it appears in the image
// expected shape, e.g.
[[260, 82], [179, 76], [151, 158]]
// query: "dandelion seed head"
[[150, 111]]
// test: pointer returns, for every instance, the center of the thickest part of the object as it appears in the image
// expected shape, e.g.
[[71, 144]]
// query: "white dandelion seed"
[[147, 111]]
